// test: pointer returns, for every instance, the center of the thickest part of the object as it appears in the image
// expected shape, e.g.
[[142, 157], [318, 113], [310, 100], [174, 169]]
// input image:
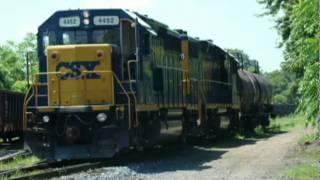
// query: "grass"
[[277, 125], [288, 123], [18, 162], [304, 172], [309, 168], [309, 138]]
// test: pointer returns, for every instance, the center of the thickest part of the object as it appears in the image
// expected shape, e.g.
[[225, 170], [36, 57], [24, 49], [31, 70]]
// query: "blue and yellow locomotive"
[[112, 79]]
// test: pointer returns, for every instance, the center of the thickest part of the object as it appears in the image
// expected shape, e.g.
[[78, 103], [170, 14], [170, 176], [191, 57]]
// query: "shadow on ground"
[[170, 159], [194, 157], [249, 138]]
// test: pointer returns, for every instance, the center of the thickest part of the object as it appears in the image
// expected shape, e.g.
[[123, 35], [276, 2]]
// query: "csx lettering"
[[74, 70]]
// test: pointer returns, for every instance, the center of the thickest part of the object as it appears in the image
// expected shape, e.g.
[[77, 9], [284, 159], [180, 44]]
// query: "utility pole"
[[28, 67]]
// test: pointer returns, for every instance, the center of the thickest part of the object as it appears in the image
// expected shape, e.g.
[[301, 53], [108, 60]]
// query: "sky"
[[229, 23]]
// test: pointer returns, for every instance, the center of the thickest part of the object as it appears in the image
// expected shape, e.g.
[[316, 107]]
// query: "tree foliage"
[[284, 87], [13, 65], [298, 24], [245, 61]]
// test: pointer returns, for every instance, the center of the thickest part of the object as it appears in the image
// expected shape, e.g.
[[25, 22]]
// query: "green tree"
[[13, 63], [245, 61], [298, 24], [284, 87]]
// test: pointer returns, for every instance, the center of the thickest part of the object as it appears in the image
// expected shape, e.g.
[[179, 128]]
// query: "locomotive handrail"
[[217, 82], [35, 89], [34, 94], [130, 85], [26, 100]]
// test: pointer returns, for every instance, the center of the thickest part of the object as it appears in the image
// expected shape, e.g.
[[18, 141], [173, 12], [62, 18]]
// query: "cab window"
[[75, 37], [48, 38], [105, 36]]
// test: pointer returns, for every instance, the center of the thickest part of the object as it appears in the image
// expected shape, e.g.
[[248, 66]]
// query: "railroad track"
[[14, 155], [59, 171], [49, 169], [46, 169]]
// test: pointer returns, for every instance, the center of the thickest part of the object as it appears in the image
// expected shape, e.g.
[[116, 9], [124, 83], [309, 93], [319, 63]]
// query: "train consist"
[[112, 80], [11, 116]]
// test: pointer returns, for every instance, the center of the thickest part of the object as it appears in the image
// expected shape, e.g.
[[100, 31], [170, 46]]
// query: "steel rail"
[[14, 155], [64, 170]]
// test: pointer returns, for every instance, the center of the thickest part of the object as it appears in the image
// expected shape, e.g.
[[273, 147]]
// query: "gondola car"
[[111, 80], [11, 115]]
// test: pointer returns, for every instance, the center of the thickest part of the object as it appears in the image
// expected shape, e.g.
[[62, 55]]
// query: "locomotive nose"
[[80, 75]]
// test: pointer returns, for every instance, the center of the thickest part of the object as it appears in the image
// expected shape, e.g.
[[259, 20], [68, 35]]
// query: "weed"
[[288, 123], [309, 138], [18, 162], [304, 172]]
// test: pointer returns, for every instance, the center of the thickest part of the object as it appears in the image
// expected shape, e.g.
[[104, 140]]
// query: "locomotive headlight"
[[86, 14], [101, 117], [86, 21], [46, 118]]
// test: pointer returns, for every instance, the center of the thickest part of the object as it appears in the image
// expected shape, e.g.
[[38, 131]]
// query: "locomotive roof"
[[52, 21], [152, 25], [156, 25], [206, 44]]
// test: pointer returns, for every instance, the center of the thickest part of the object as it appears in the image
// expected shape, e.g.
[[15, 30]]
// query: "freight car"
[[284, 109], [256, 96], [11, 115], [112, 79]]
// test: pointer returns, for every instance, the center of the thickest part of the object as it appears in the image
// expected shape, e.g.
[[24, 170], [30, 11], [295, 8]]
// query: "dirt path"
[[266, 158], [262, 158]]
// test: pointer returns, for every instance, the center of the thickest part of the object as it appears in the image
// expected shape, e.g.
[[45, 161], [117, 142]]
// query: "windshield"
[[75, 37], [105, 36], [85, 37], [48, 38], [98, 36]]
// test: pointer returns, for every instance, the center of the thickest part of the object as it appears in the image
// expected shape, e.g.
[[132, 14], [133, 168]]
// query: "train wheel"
[[214, 121], [183, 140], [248, 124], [21, 139], [265, 122], [234, 123], [150, 122], [5, 138]]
